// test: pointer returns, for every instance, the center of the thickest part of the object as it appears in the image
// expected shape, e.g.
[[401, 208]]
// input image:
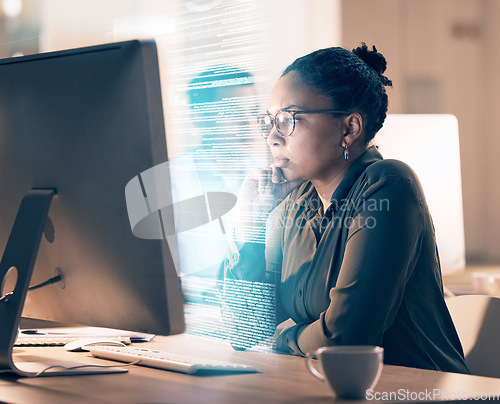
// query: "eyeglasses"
[[285, 120]]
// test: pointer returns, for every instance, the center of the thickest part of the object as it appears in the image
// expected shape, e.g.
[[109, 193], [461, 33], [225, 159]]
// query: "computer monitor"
[[83, 123]]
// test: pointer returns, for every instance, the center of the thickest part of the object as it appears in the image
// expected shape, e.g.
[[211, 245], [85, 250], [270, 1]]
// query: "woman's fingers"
[[282, 185], [277, 176], [268, 182], [264, 177]]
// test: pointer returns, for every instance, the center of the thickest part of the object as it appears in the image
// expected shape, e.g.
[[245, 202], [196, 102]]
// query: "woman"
[[353, 253]]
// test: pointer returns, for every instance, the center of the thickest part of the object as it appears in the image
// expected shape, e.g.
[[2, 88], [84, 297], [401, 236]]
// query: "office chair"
[[476, 319]]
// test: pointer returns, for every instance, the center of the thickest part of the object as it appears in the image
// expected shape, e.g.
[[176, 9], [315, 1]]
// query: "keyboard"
[[166, 360]]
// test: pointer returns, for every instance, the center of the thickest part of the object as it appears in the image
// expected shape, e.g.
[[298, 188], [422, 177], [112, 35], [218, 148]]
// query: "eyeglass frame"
[[293, 113]]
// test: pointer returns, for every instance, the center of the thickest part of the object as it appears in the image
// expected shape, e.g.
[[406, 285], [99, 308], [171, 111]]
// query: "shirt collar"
[[369, 157], [308, 202], [308, 191]]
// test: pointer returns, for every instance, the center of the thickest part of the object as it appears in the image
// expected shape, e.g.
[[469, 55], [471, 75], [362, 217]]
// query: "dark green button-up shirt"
[[365, 272]]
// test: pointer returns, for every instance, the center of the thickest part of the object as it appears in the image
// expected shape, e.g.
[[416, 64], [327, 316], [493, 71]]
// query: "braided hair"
[[354, 81]]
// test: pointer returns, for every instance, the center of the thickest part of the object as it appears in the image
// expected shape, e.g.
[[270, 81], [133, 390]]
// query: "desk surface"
[[283, 378], [462, 283]]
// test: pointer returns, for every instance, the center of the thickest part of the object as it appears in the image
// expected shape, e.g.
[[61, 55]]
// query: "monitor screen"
[[85, 122]]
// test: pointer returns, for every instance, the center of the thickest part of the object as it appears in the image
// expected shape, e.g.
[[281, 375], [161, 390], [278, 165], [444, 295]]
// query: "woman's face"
[[314, 150]]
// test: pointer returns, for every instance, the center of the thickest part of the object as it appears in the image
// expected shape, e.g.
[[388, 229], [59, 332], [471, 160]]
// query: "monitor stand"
[[16, 268]]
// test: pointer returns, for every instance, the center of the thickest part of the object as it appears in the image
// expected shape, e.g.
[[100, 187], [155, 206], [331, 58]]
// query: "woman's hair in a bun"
[[375, 60], [354, 81]]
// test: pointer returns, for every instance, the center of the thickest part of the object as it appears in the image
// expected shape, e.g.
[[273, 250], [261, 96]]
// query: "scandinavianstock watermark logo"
[[346, 215], [153, 214]]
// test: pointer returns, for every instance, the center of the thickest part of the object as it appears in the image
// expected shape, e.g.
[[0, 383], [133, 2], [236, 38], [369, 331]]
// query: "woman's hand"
[[261, 192]]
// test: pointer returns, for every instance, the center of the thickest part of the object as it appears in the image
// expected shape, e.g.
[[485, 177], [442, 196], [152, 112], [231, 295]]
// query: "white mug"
[[350, 370]]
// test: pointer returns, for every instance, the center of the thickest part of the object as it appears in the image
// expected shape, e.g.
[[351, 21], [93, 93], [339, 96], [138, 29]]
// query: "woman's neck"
[[326, 187]]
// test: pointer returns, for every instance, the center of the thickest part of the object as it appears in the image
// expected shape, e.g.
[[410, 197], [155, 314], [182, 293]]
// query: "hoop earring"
[[346, 153]]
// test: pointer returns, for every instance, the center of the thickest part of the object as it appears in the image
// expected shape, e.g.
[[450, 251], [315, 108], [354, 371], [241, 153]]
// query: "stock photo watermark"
[[348, 221], [430, 395]]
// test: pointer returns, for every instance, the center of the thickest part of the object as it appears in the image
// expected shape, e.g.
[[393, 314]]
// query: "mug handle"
[[309, 357]]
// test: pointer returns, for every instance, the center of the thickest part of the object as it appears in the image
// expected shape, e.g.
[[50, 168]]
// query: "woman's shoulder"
[[390, 168], [395, 176]]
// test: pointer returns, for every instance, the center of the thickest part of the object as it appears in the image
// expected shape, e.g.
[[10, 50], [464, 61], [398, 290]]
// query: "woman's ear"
[[354, 128]]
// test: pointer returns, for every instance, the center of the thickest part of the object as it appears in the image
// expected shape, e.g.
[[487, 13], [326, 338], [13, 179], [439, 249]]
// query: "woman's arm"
[[377, 263]]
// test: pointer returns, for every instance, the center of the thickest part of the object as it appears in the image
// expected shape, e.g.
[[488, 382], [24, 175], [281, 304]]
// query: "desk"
[[462, 283], [283, 378]]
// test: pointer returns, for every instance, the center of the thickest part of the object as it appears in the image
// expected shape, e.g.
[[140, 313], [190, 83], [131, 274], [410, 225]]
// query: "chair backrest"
[[477, 320], [430, 145]]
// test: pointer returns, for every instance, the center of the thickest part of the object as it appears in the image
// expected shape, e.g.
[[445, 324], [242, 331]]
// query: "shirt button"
[[299, 293]]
